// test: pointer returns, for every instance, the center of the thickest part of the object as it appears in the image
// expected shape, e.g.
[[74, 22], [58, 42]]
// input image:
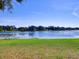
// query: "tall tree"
[[7, 4]]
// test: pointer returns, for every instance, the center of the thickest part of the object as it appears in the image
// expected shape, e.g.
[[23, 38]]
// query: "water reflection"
[[7, 36], [22, 33], [40, 34], [31, 34]]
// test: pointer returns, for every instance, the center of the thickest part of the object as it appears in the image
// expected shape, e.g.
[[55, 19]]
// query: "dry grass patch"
[[38, 52]]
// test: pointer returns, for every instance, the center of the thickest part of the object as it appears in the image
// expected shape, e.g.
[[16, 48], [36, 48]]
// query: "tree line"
[[36, 28]]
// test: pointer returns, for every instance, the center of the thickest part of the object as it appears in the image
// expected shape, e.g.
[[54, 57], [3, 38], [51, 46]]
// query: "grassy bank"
[[39, 49]]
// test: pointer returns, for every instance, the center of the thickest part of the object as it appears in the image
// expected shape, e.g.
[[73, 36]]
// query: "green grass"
[[40, 48], [39, 41]]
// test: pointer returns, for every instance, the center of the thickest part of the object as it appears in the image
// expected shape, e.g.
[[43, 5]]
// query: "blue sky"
[[43, 12]]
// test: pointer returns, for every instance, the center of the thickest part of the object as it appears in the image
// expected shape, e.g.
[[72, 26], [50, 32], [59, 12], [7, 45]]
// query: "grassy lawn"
[[39, 49]]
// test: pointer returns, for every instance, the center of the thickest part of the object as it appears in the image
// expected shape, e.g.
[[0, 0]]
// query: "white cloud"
[[76, 12]]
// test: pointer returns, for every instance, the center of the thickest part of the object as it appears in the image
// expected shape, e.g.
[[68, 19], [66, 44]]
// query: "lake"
[[40, 34]]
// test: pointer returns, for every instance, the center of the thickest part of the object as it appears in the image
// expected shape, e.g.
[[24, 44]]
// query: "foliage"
[[36, 28], [1, 28], [7, 4]]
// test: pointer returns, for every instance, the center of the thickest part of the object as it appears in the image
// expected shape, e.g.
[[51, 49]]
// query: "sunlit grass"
[[39, 49]]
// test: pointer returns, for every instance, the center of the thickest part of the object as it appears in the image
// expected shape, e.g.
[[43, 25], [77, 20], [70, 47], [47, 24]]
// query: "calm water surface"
[[40, 34]]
